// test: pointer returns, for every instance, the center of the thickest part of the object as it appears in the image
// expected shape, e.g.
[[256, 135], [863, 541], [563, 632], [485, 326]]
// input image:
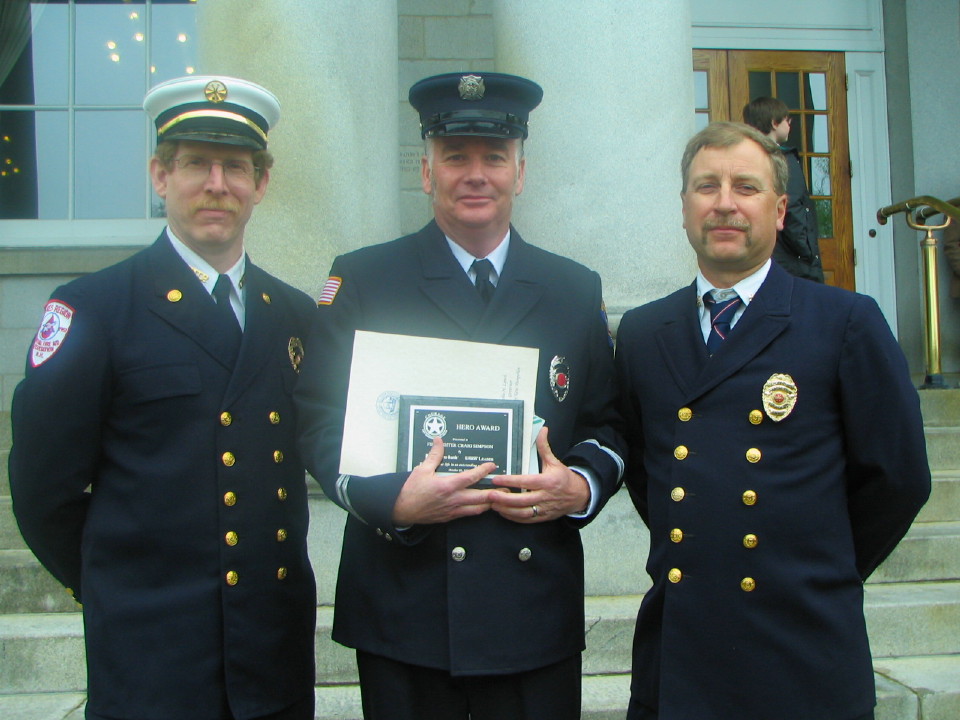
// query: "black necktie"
[[482, 268], [221, 293], [721, 313]]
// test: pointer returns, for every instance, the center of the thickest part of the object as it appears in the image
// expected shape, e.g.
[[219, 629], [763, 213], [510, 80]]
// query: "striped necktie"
[[721, 313]]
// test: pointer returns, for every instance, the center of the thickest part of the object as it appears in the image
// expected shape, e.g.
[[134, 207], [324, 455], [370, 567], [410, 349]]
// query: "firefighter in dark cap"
[[174, 504], [468, 602]]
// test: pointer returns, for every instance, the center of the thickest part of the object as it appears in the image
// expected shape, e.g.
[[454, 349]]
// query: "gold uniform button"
[[266, 298], [748, 584], [756, 417], [676, 535], [674, 575], [281, 535], [677, 494], [274, 418], [681, 452], [232, 578], [277, 456], [282, 494], [749, 497], [753, 455], [231, 538], [750, 541], [230, 499], [229, 459], [174, 296], [458, 554], [525, 554], [684, 414], [226, 418], [281, 573]]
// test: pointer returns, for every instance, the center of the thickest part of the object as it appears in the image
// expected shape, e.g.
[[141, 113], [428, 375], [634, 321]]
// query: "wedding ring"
[[536, 510]]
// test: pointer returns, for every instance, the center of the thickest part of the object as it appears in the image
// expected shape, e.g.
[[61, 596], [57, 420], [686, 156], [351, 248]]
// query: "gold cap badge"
[[215, 91], [779, 396]]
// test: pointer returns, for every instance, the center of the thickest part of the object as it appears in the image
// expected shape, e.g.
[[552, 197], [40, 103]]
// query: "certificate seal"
[[388, 404]]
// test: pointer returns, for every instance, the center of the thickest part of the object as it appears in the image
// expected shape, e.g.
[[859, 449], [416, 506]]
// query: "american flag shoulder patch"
[[330, 290]]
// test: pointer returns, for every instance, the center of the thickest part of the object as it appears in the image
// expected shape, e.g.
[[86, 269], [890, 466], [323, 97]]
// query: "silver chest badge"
[[559, 377]]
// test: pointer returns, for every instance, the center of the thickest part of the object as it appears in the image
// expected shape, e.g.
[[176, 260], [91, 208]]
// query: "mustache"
[[735, 223], [213, 205]]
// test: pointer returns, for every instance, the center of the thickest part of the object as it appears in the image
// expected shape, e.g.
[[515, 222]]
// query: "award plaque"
[[473, 431]]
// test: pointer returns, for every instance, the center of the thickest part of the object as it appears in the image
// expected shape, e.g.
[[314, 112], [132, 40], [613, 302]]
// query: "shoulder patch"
[[330, 290], [54, 327]]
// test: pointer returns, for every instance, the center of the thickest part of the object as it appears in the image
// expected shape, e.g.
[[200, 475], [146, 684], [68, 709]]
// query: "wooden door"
[[813, 85]]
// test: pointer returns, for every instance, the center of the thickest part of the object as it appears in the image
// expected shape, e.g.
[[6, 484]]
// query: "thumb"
[[543, 448]]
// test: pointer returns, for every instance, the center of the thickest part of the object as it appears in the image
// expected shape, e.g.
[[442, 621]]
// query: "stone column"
[[333, 64], [603, 157]]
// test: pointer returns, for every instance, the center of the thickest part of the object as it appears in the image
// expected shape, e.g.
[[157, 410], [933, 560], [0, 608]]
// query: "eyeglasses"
[[197, 167]]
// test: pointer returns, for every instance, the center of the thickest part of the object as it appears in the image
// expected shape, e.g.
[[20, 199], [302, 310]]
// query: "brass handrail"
[[927, 206]]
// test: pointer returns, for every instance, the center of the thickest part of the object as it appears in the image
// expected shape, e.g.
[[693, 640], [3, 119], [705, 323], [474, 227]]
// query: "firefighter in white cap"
[[174, 505]]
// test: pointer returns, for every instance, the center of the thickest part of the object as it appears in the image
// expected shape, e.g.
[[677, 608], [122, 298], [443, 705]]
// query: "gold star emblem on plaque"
[[215, 91]]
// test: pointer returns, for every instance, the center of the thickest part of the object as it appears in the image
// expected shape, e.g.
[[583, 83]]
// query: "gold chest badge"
[[295, 351], [779, 396]]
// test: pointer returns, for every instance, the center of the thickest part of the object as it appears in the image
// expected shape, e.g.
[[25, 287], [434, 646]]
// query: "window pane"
[[110, 166], [819, 140], [825, 217], [33, 66], [33, 165], [701, 95], [817, 91], [110, 59], [701, 120], [788, 89], [760, 85], [173, 36], [819, 175]]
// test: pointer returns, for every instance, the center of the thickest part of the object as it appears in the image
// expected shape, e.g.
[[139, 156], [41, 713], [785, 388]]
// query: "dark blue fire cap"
[[476, 103]]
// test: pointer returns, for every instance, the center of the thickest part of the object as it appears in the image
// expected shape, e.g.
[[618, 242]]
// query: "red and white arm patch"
[[330, 290], [54, 327]]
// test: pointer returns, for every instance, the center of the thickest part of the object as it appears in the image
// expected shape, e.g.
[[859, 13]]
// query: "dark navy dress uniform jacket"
[[756, 605], [400, 594], [142, 404]]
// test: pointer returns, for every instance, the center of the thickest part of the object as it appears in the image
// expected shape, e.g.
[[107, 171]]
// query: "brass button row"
[[681, 452], [229, 459], [231, 538], [233, 577], [459, 554], [685, 414], [748, 584], [230, 497], [226, 419], [749, 497]]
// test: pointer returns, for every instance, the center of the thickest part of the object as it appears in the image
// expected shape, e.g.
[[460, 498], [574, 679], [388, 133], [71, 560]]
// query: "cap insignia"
[[559, 378], [215, 91], [779, 396], [471, 87]]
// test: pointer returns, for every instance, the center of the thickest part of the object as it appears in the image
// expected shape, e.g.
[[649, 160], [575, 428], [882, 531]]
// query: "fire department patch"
[[330, 290], [559, 377], [54, 327]]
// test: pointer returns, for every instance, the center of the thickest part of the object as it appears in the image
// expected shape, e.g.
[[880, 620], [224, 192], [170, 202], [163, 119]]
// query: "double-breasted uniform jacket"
[[798, 244], [763, 531], [188, 550], [479, 595]]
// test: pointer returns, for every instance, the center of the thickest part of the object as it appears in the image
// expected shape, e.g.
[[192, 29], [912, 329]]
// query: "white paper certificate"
[[387, 366]]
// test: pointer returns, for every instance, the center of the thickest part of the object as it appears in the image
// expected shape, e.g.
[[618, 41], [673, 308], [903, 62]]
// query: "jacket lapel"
[[680, 340], [765, 318], [444, 282], [518, 292], [181, 300], [260, 326]]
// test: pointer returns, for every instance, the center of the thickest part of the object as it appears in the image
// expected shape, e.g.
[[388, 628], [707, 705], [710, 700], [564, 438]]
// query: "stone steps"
[[908, 688], [43, 652]]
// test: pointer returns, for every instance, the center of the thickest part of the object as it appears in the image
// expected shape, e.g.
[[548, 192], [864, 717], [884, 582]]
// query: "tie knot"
[[221, 290], [482, 268], [723, 309]]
